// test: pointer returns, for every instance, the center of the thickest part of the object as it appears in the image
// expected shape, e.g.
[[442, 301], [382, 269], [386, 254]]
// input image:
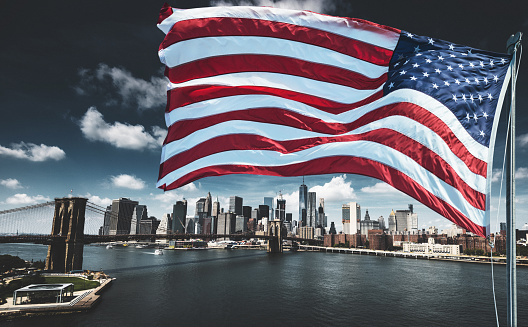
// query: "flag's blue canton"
[[468, 81]]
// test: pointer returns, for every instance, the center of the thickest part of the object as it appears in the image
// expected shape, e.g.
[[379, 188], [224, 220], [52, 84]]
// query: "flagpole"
[[511, 244]]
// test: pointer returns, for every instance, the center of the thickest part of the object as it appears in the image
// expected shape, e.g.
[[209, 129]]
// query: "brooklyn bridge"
[[70, 216]]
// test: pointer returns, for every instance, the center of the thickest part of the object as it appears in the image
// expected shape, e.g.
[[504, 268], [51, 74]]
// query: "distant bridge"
[[67, 238], [88, 239]]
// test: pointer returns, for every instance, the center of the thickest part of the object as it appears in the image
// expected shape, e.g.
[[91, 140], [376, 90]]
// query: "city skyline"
[[83, 108]]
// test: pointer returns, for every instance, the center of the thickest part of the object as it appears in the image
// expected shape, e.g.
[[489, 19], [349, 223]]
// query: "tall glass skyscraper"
[[235, 205], [312, 210], [303, 199], [269, 202], [281, 209], [179, 215]]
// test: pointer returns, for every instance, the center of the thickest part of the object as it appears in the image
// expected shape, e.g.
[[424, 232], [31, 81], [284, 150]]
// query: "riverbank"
[[521, 262], [83, 301]]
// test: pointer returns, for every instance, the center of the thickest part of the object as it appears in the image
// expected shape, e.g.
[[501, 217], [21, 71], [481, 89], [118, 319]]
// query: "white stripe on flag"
[[350, 28], [368, 150]]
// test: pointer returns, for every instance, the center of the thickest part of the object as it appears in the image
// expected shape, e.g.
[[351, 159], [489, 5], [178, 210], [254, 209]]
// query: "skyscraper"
[[165, 226], [121, 216], [312, 210], [321, 214], [303, 199], [406, 220], [281, 208], [179, 216], [235, 205], [351, 215], [201, 209], [216, 208], [139, 213], [269, 202], [246, 211], [208, 204]]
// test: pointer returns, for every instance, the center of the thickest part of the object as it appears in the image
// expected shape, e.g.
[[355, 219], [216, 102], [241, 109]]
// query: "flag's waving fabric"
[[259, 90]]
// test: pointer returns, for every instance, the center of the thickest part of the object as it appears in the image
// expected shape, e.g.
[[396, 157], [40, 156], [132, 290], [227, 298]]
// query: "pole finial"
[[513, 42]]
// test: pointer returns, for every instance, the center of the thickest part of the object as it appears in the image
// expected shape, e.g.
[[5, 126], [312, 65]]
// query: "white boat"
[[158, 252], [221, 244], [109, 246], [141, 246]]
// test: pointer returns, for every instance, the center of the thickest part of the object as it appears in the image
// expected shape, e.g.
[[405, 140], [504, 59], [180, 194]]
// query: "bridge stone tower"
[[277, 231], [65, 253]]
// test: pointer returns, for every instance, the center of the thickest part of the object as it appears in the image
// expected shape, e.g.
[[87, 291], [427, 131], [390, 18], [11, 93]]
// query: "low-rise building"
[[431, 247]]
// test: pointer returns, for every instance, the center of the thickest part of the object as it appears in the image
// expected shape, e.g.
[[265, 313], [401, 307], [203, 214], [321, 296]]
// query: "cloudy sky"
[[82, 97]]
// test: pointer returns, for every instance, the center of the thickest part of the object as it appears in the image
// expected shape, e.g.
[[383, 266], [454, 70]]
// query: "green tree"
[[8, 262]]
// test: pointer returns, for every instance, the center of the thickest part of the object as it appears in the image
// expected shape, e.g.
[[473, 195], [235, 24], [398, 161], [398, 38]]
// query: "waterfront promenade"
[[521, 261]]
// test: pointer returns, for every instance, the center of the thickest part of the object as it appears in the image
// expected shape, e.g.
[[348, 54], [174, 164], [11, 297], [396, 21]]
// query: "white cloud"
[[319, 6], [380, 188], [103, 202], [523, 139], [25, 199], [33, 152], [338, 189], [128, 181], [145, 94], [11, 183], [191, 187], [521, 173], [120, 135]]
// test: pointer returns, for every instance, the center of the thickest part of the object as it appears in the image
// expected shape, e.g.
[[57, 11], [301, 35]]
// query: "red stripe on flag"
[[341, 164], [165, 12], [288, 118], [275, 64], [183, 96], [399, 142], [227, 26]]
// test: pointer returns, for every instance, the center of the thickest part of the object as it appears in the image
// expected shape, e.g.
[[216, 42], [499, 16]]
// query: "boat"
[[141, 246], [109, 246], [221, 244], [158, 252]]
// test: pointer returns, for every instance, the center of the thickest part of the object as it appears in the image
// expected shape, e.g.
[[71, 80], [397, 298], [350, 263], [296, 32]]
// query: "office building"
[[179, 216], [139, 213], [321, 214], [269, 202], [165, 226], [351, 215], [216, 208], [368, 224], [406, 220], [241, 224], [148, 226], [226, 223], [312, 210], [303, 204], [106, 220], [121, 216], [280, 212], [235, 205], [392, 222], [263, 211], [246, 211]]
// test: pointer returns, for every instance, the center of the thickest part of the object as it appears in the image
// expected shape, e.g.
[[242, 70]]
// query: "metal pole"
[[511, 246]]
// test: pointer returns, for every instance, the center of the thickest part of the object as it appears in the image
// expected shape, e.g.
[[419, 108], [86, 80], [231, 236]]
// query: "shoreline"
[[412, 255]]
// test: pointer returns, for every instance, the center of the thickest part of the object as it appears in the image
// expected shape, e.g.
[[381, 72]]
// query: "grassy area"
[[80, 283]]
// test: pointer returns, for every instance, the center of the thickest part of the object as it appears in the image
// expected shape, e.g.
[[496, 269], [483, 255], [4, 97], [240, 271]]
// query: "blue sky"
[[83, 95]]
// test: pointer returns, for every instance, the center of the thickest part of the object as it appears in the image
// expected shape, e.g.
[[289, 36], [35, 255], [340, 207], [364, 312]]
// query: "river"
[[253, 288]]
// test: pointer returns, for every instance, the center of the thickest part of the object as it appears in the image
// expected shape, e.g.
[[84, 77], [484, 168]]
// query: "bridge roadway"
[[48, 239]]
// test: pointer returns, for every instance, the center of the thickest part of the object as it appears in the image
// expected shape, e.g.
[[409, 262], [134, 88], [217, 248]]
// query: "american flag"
[[266, 91]]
